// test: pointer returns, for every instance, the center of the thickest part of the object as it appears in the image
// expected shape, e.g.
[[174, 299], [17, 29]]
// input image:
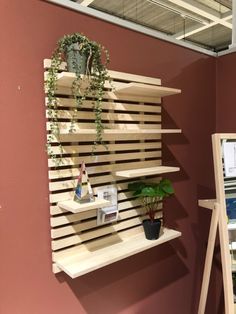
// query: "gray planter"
[[76, 62]]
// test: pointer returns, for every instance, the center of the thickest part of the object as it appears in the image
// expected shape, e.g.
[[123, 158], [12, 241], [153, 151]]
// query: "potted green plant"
[[88, 60], [151, 195]]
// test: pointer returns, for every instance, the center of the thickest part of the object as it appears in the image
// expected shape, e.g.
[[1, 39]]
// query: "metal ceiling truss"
[[198, 12], [204, 14]]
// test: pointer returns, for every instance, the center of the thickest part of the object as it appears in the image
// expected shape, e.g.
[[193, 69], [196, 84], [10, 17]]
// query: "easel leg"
[[226, 263], [208, 260]]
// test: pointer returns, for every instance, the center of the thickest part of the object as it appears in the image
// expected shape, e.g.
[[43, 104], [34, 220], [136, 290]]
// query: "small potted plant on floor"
[[151, 195], [88, 60]]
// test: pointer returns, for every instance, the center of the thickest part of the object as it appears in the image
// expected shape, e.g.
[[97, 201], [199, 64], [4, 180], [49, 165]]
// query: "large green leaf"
[[166, 186], [148, 191], [160, 190]]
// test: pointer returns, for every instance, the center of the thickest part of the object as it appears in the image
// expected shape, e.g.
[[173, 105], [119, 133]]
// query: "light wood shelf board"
[[125, 132], [75, 137], [210, 204], [134, 173], [79, 264], [75, 207], [139, 89]]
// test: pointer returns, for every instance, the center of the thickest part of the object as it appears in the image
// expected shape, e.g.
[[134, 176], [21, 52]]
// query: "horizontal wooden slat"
[[75, 239], [79, 137], [88, 225], [63, 90], [70, 218], [98, 243], [75, 149], [71, 161], [113, 129], [58, 186], [106, 105], [129, 117]]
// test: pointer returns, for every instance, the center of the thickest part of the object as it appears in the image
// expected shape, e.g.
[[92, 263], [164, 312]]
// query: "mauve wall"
[[162, 280], [226, 96]]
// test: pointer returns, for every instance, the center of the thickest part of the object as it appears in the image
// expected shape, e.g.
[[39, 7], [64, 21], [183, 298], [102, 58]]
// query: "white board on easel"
[[229, 153]]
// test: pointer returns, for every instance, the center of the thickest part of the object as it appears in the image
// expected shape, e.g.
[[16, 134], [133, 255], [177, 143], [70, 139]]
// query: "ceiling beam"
[[129, 25], [196, 29], [169, 6], [202, 10], [86, 3]]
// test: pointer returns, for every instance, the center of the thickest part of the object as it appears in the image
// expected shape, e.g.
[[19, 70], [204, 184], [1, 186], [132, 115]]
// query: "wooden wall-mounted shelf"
[[77, 264], [132, 132], [76, 207], [129, 131], [138, 89], [134, 88], [134, 173], [210, 204]]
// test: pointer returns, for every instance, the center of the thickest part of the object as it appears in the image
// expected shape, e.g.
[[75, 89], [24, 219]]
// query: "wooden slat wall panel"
[[124, 151]]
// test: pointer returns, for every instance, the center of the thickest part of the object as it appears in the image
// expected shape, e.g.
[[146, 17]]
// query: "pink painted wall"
[[226, 96], [163, 280]]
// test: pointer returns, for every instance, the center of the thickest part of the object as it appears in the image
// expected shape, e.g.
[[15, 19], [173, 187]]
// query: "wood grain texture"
[[132, 121], [79, 264]]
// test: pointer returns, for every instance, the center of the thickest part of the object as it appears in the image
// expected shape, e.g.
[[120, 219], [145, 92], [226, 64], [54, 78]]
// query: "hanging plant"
[[84, 58]]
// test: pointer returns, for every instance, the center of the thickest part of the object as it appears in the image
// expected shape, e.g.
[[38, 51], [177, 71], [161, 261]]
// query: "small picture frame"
[[110, 213]]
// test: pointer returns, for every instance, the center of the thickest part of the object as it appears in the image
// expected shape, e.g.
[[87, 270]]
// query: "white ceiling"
[[205, 23]]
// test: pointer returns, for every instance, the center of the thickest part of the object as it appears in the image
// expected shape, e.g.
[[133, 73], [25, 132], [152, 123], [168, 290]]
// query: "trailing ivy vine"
[[95, 76]]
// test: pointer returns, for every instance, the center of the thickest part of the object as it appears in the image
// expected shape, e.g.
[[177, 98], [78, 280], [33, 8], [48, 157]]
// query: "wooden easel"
[[218, 220]]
